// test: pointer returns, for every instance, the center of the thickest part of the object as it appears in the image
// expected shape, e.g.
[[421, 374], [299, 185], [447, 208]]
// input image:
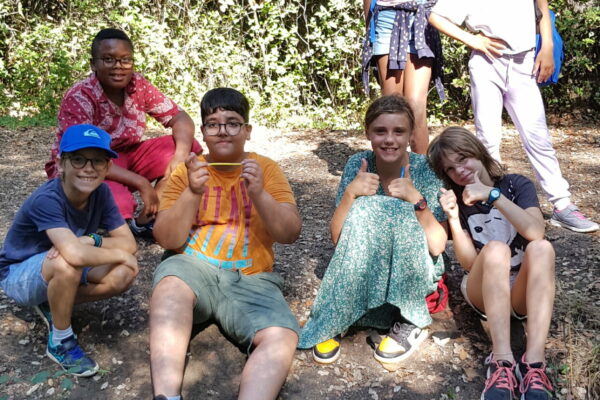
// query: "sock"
[[563, 203], [60, 334]]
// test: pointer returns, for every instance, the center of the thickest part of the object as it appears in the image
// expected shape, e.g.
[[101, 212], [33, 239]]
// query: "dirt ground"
[[448, 366]]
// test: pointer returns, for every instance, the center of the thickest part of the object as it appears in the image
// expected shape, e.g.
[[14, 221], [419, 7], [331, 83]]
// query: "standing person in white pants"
[[504, 72]]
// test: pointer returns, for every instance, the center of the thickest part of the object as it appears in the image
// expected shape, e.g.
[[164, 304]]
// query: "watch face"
[[421, 204], [494, 194]]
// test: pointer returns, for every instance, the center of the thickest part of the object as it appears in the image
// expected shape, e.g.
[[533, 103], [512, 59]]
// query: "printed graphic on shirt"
[[223, 235], [486, 223], [228, 231], [493, 226]]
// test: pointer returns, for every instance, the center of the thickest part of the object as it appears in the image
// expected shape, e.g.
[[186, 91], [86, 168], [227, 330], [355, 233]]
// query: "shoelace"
[[536, 379], [502, 378]]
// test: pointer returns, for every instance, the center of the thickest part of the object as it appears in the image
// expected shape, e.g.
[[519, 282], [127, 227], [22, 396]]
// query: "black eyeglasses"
[[79, 162], [231, 128], [126, 62]]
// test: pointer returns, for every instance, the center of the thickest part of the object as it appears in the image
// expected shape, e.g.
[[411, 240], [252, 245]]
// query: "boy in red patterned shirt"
[[117, 99]]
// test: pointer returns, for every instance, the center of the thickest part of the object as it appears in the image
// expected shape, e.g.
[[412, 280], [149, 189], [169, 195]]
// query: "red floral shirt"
[[86, 103]]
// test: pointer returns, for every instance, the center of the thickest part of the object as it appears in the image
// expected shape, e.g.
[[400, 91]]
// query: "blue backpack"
[[559, 55]]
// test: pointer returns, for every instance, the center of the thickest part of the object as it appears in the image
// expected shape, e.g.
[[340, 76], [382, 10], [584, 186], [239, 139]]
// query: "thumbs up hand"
[[475, 191], [403, 188], [365, 183], [448, 203]]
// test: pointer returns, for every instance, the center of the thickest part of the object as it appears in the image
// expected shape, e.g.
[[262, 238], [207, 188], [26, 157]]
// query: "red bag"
[[438, 300]]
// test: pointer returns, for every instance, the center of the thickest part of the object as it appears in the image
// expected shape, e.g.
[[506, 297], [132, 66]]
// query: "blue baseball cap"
[[84, 136]]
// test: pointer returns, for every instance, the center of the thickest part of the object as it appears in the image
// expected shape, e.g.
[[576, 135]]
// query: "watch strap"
[[493, 196], [97, 239], [421, 204]]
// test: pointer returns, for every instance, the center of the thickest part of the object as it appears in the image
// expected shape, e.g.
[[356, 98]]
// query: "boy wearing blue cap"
[[52, 256]]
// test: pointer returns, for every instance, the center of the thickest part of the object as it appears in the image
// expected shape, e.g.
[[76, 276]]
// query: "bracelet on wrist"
[[97, 239]]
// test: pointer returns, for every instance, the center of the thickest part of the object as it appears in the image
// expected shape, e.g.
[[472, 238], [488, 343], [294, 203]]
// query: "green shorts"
[[241, 304]]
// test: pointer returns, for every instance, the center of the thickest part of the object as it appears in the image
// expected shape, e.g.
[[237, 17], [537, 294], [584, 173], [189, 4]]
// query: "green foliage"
[[579, 25], [66, 384], [37, 119], [298, 61], [40, 377]]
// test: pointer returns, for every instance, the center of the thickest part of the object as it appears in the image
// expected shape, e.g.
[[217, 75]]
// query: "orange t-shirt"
[[228, 231]]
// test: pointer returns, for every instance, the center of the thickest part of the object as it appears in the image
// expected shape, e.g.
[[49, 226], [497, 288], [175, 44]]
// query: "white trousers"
[[508, 81]]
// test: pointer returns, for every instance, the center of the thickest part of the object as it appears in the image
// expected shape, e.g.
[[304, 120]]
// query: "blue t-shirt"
[[49, 208]]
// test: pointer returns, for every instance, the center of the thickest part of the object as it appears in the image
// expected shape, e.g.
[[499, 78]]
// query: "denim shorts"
[[25, 283], [383, 33], [241, 304]]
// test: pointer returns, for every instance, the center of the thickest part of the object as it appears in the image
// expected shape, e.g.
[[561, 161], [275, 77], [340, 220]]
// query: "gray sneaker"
[[571, 218]]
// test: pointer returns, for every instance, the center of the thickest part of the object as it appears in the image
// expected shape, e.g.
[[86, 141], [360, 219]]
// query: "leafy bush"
[[298, 61]]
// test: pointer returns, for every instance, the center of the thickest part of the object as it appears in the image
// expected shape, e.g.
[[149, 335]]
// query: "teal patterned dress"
[[381, 263]]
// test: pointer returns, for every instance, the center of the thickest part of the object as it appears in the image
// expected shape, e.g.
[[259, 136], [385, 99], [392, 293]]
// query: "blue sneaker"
[[142, 231], [71, 357], [501, 382], [533, 381], [43, 310]]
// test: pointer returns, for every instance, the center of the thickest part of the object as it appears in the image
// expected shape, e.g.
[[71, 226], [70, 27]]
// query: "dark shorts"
[[241, 304]]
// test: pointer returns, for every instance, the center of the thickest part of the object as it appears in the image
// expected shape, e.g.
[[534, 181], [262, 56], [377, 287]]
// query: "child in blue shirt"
[[52, 256]]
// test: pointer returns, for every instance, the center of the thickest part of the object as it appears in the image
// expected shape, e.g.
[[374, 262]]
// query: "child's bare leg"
[[392, 82], [417, 75], [106, 281], [533, 295], [268, 365], [63, 282], [488, 289], [171, 318]]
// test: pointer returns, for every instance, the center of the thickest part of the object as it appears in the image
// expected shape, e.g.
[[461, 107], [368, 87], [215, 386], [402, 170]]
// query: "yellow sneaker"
[[328, 351], [392, 351]]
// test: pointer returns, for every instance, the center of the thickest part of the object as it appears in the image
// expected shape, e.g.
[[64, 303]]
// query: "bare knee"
[[496, 256], [58, 268], [277, 336], [540, 255], [540, 248], [172, 285], [172, 292], [418, 103], [497, 250], [122, 279]]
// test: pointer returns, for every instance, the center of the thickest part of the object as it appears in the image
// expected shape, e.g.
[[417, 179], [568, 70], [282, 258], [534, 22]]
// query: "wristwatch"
[[421, 204], [493, 196]]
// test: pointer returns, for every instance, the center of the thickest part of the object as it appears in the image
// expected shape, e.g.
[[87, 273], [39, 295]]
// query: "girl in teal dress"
[[389, 239]]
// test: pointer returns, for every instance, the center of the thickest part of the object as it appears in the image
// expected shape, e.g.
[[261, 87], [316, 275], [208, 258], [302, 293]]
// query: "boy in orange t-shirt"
[[221, 214]]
